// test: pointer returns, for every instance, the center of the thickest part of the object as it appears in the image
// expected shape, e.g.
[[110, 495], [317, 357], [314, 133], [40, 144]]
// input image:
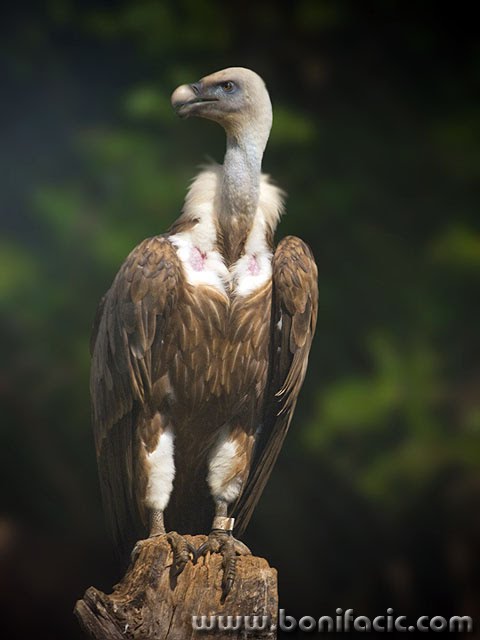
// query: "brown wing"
[[294, 316], [127, 344]]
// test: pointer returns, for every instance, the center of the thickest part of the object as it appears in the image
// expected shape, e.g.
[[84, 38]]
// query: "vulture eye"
[[228, 86]]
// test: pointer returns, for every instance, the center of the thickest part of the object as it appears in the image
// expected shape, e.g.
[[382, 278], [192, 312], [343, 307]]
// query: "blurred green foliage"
[[375, 139]]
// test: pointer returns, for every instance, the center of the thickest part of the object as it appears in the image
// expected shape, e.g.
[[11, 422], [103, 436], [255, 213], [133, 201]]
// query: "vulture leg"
[[228, 469], [160, 471]]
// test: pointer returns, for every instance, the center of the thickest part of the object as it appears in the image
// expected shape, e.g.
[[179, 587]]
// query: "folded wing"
[[294, 315], [128, 356]]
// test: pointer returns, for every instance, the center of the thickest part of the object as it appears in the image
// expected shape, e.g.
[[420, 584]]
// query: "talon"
[[201, 551], [136, 551], [193, 551], [178, 567], [213, 544], [229, 571], [134, 554]]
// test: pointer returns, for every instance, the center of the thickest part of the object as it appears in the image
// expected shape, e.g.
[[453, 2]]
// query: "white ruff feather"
[[161, 471], [196, 247], [254, 268], [212, 270]]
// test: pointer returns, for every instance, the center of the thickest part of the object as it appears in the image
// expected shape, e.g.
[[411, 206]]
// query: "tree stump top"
[[149, 603]]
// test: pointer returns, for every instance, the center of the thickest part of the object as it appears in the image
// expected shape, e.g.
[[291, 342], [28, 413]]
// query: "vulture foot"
[[230, 548], [181, 548]]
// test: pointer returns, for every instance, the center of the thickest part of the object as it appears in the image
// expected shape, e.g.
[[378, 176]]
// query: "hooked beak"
[[188, 98]]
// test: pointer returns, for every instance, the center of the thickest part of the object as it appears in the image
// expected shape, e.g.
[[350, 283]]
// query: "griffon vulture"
[[200, 346]]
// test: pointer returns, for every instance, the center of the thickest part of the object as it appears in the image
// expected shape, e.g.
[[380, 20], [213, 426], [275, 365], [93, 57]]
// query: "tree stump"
[[149, 603]]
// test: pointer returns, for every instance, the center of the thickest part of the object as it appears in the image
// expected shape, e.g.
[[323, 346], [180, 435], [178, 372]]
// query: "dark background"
[[374, 500]]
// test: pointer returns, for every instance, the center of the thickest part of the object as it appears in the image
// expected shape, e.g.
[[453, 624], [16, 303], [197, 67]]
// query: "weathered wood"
[[149, 603]]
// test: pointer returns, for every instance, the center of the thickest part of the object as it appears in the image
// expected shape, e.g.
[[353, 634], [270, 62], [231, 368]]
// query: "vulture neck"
[[240, 191], [241, 177]]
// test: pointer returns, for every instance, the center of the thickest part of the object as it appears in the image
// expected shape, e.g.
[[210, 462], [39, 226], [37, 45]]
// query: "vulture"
[[200, 346]]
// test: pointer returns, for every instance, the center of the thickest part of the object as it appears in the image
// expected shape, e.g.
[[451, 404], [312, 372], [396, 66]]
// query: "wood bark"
[[150, 603]]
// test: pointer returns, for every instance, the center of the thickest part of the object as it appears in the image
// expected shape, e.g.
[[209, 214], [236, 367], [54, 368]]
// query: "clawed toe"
[[182, 549], [241, 549], [230, 548], [136, 550]]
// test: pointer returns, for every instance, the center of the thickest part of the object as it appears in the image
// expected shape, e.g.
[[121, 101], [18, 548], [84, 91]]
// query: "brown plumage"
[[200, 346]]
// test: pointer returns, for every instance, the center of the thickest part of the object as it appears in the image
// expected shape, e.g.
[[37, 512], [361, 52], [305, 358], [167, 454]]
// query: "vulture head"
[[236, 98]]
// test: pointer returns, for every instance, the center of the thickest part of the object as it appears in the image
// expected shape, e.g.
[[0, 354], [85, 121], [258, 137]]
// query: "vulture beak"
[[189, 98]]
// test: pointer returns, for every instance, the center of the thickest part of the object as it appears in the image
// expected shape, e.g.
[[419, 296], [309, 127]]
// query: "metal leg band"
[[223, 523]]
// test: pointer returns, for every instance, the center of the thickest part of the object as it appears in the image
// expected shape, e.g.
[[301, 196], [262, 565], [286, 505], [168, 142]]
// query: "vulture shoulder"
[[294, 316], [127, 342]]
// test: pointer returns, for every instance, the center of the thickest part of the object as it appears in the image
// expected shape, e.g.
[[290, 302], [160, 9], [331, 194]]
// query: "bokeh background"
[[376, 139]]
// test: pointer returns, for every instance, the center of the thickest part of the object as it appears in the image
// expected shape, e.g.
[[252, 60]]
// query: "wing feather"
[[131, 322], [294, 316]]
